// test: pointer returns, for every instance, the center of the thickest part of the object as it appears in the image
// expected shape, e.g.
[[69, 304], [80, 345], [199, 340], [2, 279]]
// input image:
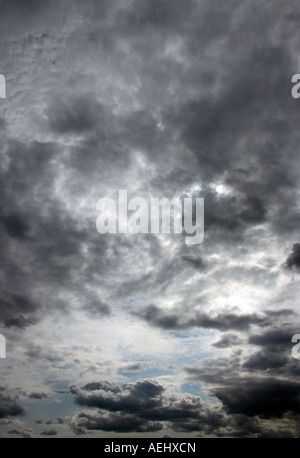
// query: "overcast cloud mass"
[[110, 335]]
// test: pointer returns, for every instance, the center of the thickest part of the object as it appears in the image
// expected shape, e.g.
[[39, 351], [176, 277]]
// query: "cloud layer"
[[115, 334]]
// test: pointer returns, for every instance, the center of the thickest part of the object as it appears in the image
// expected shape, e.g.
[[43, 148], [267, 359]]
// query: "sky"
[[142, 335]]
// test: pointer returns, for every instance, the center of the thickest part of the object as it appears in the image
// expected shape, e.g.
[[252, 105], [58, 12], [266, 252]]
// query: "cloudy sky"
[[121, 335]]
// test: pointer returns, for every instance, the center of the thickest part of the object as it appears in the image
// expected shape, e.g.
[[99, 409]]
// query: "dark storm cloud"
[[29, 170], [260, 384], [206, 123], [233, 213], [46, 234], [24, 183], [245, 95], [267, 399], [17, 311], [186, 413], [77, 116], [272, 337], [201, 124], [273, 359], [266, 361], [139, 407], [274, 356], [177, 320], [19, 322], [293, 259], [15, 226], [143, 396], [9, 404], [202, 92]]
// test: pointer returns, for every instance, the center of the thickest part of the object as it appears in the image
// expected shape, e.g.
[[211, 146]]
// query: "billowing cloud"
[[141, 407], [9, 404], [268, 399]]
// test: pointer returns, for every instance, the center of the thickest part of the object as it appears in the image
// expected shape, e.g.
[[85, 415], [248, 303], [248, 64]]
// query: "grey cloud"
[[19, 322], [177, 319], [201, 91], [186, 413], [104, 386], [15, 226], [113, 422], [39, 395], [76, 116], [293, 259], [232, 213], [262, 384], [9, 404], [97, 308], [194, 261], [227, 340], [267, 399], [49, 432], [25, 432], [266, 361], [36, 352], [17, 311], [144, 406], [58, 421], [272, 337], [133, 367], [246, 363], [274, 356], [220, 371], [141, 397], [158, 14]]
